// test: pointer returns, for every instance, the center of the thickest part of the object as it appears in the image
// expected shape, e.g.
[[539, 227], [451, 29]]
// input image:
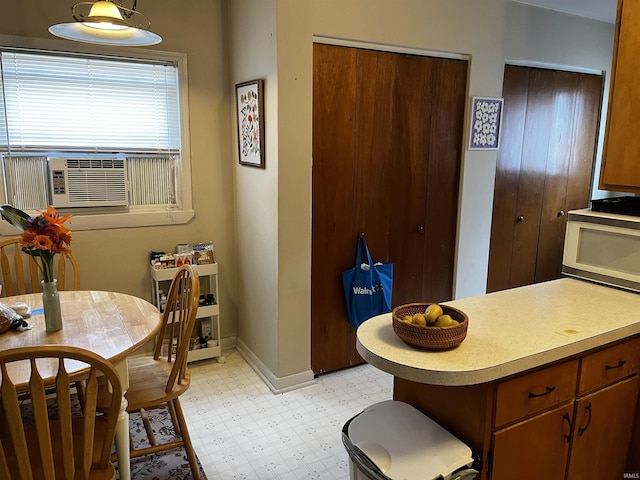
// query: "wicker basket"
[[432, 338]]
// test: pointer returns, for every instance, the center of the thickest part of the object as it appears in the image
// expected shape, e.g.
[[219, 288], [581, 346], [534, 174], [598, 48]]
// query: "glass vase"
[[51, 305]]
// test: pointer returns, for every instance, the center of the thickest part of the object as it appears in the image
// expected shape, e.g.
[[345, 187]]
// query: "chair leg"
[[148, 427], [81, 392], [176, 424], [182, 424]]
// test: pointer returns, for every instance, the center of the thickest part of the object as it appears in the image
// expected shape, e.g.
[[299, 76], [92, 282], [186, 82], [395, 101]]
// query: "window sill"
[[105, 221]]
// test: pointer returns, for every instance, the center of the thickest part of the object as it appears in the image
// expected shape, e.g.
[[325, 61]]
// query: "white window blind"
[[70, 103]]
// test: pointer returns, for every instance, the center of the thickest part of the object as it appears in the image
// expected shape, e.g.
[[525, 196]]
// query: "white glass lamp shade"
[[105, 16], [104, 25]]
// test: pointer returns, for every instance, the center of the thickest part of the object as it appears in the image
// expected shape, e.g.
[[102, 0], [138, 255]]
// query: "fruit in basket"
[[445, 321], [419, 319], [432, 313], [407, 319]]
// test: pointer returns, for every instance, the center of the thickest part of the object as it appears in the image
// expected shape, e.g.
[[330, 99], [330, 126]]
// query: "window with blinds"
[[65, 105]]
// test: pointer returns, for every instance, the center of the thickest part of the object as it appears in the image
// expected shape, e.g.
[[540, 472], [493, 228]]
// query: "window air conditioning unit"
[[88, 182]]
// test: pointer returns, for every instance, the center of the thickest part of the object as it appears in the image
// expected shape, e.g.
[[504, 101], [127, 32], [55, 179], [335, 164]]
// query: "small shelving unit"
[[208, 316]]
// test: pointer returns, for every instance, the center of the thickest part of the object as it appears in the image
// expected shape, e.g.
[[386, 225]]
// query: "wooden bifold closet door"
[[387, 140], [544, 169]]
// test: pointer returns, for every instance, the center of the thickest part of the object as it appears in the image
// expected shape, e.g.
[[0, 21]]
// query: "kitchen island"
[[545, 383]]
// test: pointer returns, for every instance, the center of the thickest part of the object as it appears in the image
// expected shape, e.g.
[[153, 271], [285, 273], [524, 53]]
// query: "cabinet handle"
[[520, 219], [547, 392], [620, 363], [421, 229], [581, 430], [566, 417], [560, 213]]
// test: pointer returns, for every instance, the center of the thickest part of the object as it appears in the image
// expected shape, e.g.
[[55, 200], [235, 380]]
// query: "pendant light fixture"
[[108, 23]]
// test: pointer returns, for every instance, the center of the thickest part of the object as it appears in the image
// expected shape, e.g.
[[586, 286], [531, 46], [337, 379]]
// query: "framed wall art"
[[250, 123], [486, 115]]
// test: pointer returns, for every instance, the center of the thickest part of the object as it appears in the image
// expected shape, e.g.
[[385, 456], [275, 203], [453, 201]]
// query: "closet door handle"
[[547, 391], [520, 219], [581, 430], [566, 417]]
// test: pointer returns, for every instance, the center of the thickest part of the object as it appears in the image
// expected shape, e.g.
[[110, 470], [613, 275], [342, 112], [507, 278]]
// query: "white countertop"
[[509, 332]]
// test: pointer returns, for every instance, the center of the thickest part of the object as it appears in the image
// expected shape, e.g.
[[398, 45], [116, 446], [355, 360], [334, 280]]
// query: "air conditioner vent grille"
[[89, 182], [95, 163]]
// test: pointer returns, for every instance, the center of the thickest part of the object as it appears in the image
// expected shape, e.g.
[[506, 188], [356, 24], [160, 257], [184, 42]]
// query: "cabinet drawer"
[[609, 365], [535, 392]]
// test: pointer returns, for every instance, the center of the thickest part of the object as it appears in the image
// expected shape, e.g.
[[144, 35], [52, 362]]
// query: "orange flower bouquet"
[[42, 236]]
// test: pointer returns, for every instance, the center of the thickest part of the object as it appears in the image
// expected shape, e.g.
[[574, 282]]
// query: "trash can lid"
[[406, 444]]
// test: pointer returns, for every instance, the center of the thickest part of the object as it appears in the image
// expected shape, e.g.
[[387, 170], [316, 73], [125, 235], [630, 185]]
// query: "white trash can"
[[392, 440]]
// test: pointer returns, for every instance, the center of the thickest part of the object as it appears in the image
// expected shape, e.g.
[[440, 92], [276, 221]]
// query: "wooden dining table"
[[113, 325]]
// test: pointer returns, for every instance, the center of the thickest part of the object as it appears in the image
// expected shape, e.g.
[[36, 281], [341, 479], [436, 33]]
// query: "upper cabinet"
[[621, 158]]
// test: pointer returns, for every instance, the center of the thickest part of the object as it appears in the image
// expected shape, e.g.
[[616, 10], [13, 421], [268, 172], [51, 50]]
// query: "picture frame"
[[250, 123], [484, 124]]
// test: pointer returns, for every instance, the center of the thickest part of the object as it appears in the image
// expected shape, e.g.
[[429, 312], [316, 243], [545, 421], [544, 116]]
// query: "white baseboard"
[[275, 384], [228, 342]]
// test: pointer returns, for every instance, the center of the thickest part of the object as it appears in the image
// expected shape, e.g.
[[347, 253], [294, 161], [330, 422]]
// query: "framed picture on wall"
[[486, 115], [250, 123]]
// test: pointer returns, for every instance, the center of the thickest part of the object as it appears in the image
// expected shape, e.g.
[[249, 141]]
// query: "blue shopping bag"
[[367, 286]]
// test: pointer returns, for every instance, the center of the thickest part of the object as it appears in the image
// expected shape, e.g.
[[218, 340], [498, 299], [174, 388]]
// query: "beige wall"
[[252, 54], [117, 259]]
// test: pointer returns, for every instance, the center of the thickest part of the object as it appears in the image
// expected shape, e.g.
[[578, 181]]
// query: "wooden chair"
[[74, 443], [158, 380], [20, 274]]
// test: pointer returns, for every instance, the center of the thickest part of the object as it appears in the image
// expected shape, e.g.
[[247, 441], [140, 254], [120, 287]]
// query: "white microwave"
[[604, 248]]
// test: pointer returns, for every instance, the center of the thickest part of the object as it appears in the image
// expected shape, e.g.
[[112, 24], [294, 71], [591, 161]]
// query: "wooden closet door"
[[561, 143], [391, 172], [569, 169], [535, 142], [587, 120], [375, 84], [409, 129], [515, 91], [332, 243], [544, 169], [449, 86], [406, 191]]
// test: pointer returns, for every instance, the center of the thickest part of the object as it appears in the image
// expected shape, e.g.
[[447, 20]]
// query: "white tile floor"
[[241, 430]]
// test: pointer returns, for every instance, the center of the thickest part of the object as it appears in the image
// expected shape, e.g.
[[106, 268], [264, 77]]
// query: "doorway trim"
[[382, 47], [554, 66]]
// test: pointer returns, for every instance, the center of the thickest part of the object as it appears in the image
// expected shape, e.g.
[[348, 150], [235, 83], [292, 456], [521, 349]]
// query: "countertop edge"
[[496, 372]]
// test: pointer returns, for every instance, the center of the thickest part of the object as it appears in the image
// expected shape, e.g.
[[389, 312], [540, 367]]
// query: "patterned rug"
[[169, 465]]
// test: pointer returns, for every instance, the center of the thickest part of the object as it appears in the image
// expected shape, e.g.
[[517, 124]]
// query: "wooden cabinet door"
[[535, 449], [633, 457], [620, 168], [602, 432]]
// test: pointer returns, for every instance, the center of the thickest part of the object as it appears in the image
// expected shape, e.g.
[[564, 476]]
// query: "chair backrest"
[[68, 443], [20, 274], [178, 320]]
